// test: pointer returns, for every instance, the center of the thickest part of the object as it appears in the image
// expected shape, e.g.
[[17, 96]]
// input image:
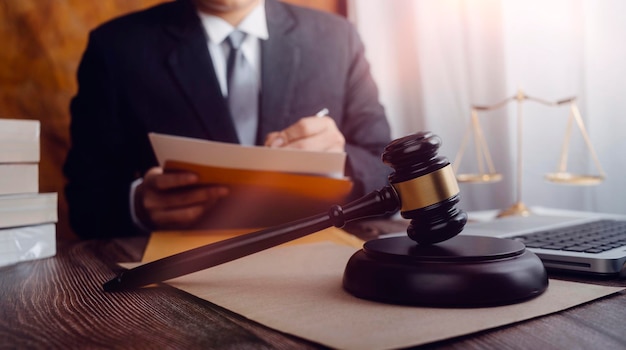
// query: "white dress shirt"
[[217, 29]]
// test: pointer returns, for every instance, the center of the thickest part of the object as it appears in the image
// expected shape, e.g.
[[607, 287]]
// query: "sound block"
[[464, 271]]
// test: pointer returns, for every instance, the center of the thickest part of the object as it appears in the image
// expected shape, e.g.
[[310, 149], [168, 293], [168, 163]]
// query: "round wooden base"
[[464, 271]]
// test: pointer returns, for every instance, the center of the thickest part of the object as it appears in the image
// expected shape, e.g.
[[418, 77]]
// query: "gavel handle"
[[374, 204]]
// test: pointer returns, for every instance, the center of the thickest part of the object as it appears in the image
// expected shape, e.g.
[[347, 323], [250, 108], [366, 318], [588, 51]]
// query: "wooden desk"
[[59, 303]]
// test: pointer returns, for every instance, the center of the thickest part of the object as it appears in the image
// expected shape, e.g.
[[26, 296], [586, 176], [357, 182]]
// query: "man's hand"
[[174, 200], [309, 133]]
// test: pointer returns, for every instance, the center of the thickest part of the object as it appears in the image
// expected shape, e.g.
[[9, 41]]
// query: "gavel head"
[[426, 186]]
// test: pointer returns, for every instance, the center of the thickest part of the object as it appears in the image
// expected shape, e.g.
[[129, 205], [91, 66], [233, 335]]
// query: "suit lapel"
[[191, 66], [280, 57]]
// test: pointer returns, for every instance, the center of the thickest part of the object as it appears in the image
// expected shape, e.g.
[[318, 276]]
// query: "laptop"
[[589, 243]]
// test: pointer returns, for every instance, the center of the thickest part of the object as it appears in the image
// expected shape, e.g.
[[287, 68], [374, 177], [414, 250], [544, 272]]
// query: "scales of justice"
[[486, 170]]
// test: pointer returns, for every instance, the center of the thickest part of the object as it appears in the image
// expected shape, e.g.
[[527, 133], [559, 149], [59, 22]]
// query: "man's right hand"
[[174, 200]]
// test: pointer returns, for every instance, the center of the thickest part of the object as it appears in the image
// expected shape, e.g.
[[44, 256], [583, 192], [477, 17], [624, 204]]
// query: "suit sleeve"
[[99, 167], [364, 125]]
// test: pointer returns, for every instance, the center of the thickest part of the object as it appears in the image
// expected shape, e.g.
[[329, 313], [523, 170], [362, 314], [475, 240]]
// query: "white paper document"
[[226, 155]]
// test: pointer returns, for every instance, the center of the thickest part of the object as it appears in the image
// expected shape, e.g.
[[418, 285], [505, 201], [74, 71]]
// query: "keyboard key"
[[593, 237]]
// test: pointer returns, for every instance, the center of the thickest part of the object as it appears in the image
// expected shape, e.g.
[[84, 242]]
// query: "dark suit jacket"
[[151, 72]]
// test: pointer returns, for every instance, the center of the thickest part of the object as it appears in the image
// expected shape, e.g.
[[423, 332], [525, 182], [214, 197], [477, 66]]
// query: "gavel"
[[422, 186]]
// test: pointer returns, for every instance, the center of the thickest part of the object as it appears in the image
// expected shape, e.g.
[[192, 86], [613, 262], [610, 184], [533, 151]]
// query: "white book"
[[27, 243], [28, 209], [19, 141], [19, 178]]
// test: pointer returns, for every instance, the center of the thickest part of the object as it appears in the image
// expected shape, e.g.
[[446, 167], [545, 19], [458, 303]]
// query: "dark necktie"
[[242, 90]]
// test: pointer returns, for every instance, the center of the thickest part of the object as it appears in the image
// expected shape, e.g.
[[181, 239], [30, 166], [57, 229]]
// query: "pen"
[[322, 113]]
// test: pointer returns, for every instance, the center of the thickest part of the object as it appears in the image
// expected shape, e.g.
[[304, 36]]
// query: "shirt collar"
[[255, 24]]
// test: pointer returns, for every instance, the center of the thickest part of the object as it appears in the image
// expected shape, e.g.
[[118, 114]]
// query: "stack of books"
[[27, 217]]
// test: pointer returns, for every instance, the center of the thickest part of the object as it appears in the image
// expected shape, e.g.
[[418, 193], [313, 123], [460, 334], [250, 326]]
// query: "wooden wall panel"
[[41, 45]]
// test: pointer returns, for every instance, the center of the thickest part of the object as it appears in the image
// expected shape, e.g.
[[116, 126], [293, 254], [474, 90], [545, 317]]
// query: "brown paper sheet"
[[297, 290], [165, 243]]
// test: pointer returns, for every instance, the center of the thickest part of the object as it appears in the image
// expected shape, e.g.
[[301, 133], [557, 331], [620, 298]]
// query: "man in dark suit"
[[155, 71]]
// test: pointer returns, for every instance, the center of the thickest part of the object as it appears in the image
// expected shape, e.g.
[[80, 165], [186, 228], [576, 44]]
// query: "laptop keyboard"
[[591, 237]]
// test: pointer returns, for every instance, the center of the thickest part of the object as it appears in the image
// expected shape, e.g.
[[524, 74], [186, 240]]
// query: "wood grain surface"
[[59, 303]]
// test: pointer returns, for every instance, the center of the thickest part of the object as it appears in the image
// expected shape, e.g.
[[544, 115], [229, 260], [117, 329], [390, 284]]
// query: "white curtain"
[[434, 59]]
